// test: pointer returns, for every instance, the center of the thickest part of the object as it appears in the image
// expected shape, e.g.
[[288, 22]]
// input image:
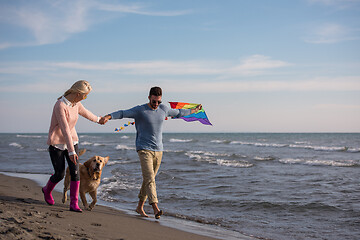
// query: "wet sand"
[[25, 215]]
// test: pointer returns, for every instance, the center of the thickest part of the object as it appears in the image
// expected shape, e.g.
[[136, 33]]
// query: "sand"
[[25, 215]]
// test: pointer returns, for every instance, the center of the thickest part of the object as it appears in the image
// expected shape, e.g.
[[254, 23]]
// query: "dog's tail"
[[82, 151]]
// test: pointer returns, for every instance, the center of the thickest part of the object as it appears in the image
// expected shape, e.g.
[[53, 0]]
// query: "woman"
[[63, 140]]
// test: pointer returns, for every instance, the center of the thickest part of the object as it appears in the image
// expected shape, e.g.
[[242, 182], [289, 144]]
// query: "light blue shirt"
[[149, 123]]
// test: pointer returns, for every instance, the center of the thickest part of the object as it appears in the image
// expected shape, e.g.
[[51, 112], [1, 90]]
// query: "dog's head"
[[95, 166]]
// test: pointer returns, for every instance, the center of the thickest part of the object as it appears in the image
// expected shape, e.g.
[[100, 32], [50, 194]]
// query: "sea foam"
[[14, 144], [314, 162]]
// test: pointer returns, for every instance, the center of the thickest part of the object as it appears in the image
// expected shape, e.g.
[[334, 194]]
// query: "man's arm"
[[183, 112], [130, 113]]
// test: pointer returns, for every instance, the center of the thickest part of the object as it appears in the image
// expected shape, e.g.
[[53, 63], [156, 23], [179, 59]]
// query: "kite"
[[198, 116]]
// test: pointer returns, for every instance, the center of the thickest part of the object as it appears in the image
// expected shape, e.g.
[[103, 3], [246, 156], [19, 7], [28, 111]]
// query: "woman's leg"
[[74, 168], [75, 182], [58, 162]]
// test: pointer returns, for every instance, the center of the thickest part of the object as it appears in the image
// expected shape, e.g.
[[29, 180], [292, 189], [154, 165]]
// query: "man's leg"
[[156, 166], [150, 163], [145, 157], [140, 208]]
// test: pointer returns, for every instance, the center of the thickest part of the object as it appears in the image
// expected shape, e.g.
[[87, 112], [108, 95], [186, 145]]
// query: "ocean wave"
[[321, 148], [198, 219], [14, 144], [302, 142], [86, 143], [124, 147], [99, 144], [125, 137], [41, 149], [173, 151], [113, 186], [114, 162], [354, 150], [195, 156], [284, 206], [211, 154], [180, 140], [202, 157], [268, 158], [300, 145], [278, 145], [220, 141], [89, 136], [332, 163], [29, 136], [232, 163]]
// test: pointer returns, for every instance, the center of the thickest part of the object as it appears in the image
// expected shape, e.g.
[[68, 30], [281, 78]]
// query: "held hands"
[[104, 119]]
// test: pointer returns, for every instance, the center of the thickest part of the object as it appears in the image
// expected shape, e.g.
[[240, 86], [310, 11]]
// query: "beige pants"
[[150, 163]]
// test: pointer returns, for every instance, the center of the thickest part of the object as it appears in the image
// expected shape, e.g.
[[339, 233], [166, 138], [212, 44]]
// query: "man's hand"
[[195, 110]]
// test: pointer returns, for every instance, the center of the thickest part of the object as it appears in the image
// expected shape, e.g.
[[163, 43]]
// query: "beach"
[[25, 215]]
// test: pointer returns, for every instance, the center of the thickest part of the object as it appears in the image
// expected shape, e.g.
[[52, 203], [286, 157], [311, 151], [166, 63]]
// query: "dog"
[[90, 177]]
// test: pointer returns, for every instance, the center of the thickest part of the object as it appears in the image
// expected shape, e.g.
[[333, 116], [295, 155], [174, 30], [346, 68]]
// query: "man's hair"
[[156, 91]]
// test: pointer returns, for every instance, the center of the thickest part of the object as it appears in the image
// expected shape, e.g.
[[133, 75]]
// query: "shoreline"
[[26, 215]]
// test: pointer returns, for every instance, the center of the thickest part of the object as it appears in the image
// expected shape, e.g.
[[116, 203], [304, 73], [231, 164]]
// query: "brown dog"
[[90, 174]]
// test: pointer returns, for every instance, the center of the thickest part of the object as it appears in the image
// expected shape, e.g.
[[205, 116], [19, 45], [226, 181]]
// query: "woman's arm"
[[87, 114]]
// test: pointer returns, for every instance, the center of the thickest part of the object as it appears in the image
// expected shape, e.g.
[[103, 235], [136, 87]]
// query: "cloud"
[[339, 4], [50, 22], [194, 76], [319, 84], [316, 84], [256, 64], [336, 106], [138, 9], [202, 87], [332, 33], [252, 65], [5, 45], [46, 21]]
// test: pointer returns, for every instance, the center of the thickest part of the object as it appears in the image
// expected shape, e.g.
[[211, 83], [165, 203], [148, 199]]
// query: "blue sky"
[[256, 66]]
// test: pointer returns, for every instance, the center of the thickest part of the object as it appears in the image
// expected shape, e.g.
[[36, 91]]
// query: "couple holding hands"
[[63, 141]]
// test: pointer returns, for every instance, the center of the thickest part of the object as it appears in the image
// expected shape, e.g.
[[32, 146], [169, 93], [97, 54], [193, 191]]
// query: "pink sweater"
[[63, 121]]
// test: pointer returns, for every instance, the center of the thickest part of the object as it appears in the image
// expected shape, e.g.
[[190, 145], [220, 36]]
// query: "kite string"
[[126, 125]]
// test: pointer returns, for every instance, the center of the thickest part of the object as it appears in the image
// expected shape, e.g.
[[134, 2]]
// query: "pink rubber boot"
[[74, 193], [47, 192]]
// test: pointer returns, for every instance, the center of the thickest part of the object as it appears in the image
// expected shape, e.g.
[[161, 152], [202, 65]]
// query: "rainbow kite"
[[199, 116]]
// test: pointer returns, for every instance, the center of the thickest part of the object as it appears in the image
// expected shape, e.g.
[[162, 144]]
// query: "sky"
[[254, 65]]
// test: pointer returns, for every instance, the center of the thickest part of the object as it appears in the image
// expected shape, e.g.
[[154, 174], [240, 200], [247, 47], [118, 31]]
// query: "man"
[[149, 119]]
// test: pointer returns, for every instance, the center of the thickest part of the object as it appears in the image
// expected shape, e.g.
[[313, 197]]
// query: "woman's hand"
[[74, 158]]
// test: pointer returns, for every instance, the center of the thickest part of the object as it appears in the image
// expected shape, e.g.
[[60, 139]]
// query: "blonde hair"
[[81, 86]]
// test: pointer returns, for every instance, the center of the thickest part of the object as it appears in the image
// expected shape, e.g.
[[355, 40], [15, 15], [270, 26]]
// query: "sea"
[[259, 185]]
